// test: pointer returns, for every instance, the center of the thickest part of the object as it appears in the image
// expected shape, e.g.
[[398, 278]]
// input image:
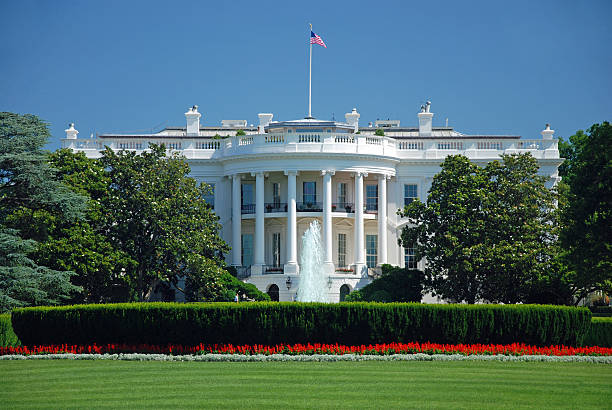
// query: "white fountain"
[[312, 279]]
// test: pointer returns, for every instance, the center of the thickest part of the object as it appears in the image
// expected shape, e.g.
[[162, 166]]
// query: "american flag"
[[315, 39]]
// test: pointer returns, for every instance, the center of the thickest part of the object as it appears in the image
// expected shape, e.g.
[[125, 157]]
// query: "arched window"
[[273, 292], [344, 291]]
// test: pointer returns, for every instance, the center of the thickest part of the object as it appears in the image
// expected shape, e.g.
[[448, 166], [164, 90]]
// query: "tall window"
[[371, 250], [247, 249], [310, 192], [209, 197], [410, 261], [248, 199], [410, 193], [341, 194], [276, 250], [371, 197], [247, 194], [341, 250], [276, 194]]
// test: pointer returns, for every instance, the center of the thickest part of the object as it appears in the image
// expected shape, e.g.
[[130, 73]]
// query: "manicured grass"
[[91, 384]]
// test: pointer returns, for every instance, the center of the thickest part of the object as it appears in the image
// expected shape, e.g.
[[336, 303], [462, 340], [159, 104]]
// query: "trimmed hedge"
[[274, 323], [7, 336], [601, 310], [600, 332]]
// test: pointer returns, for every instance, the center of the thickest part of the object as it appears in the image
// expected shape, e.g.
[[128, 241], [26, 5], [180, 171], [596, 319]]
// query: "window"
[[371, 197], [371, 250], [276, 194], [341, 250], [247, 250], [248, 199], [209, 197], [276, 250], [410, 261], [341, 194], [410, 193], [310, 192]]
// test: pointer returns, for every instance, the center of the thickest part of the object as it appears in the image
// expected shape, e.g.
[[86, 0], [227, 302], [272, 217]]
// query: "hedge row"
[[600, 333], [7, 336], [601, 310], [274, 323]]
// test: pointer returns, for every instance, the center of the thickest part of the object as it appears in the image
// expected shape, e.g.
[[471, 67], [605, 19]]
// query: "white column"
[[291, 266], [382, 219], [236, 222], [328, 263], [259, 259], [360, 267]]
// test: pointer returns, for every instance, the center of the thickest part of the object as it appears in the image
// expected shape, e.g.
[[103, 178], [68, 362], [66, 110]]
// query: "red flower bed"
[[515, 349]]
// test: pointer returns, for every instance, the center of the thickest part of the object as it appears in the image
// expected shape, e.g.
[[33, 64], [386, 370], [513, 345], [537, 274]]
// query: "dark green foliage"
[[156, 214], [395, 285], [601, 310], [586, 207], [379, 132], [272, 323], [246, 291], [29, 191], [600, 332], [487, 233], [7, 336]]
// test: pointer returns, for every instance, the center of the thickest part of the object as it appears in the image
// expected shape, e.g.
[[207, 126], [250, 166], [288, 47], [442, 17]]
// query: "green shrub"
[[395, 285], [379, 132], [272, 323], [601, 310], [7, 336], [600, 332]]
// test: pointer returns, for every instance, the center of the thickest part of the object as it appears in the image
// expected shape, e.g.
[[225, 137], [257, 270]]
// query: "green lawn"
[[87, 384]]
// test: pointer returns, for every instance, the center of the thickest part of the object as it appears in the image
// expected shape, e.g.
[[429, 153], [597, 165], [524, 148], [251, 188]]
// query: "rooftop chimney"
[[71, 133], [425, 120], [547, 133], [193, 121], [264, 120], [352, 118]]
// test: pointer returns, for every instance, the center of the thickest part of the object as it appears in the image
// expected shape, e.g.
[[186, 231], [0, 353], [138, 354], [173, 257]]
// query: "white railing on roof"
[[342, 143]]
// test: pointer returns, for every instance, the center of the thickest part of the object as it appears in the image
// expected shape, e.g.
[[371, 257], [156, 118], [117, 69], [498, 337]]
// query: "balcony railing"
[[309, 207], [371, 208], [347, 207], [273, 270], [247, 208], [243, 272], [275, 207], [341, 143]]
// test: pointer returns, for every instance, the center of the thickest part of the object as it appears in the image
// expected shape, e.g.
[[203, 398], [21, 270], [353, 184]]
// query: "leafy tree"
[[487, 233], [394, 285], [28, 187], [82, 246], [379, 132], [23, 282], [587, 209], [157, 215]]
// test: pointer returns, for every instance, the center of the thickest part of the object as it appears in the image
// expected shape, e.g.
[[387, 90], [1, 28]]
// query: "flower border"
[[417, 357]]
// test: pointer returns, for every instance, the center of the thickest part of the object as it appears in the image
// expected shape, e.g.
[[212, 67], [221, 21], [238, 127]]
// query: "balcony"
[[309, 207], [347, 207], [371, 208], [270, 207], [273, 270], [247, 209], [485, 147]]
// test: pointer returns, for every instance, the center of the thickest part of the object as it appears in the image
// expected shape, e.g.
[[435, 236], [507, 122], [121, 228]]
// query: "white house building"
[[271, 182]]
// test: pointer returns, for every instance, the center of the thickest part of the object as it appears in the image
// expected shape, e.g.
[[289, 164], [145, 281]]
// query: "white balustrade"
[[410, 145]]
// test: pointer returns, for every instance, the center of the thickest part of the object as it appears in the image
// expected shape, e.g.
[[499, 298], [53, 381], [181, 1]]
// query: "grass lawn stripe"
[[97, 384]]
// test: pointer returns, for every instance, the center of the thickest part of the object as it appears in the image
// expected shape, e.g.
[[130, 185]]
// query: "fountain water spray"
[[312, 279]]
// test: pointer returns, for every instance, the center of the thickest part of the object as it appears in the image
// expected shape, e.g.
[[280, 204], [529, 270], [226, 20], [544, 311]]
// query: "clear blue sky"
[[501, 67]]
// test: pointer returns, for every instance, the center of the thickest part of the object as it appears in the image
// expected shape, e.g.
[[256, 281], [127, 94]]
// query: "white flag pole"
[[310, 75]]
